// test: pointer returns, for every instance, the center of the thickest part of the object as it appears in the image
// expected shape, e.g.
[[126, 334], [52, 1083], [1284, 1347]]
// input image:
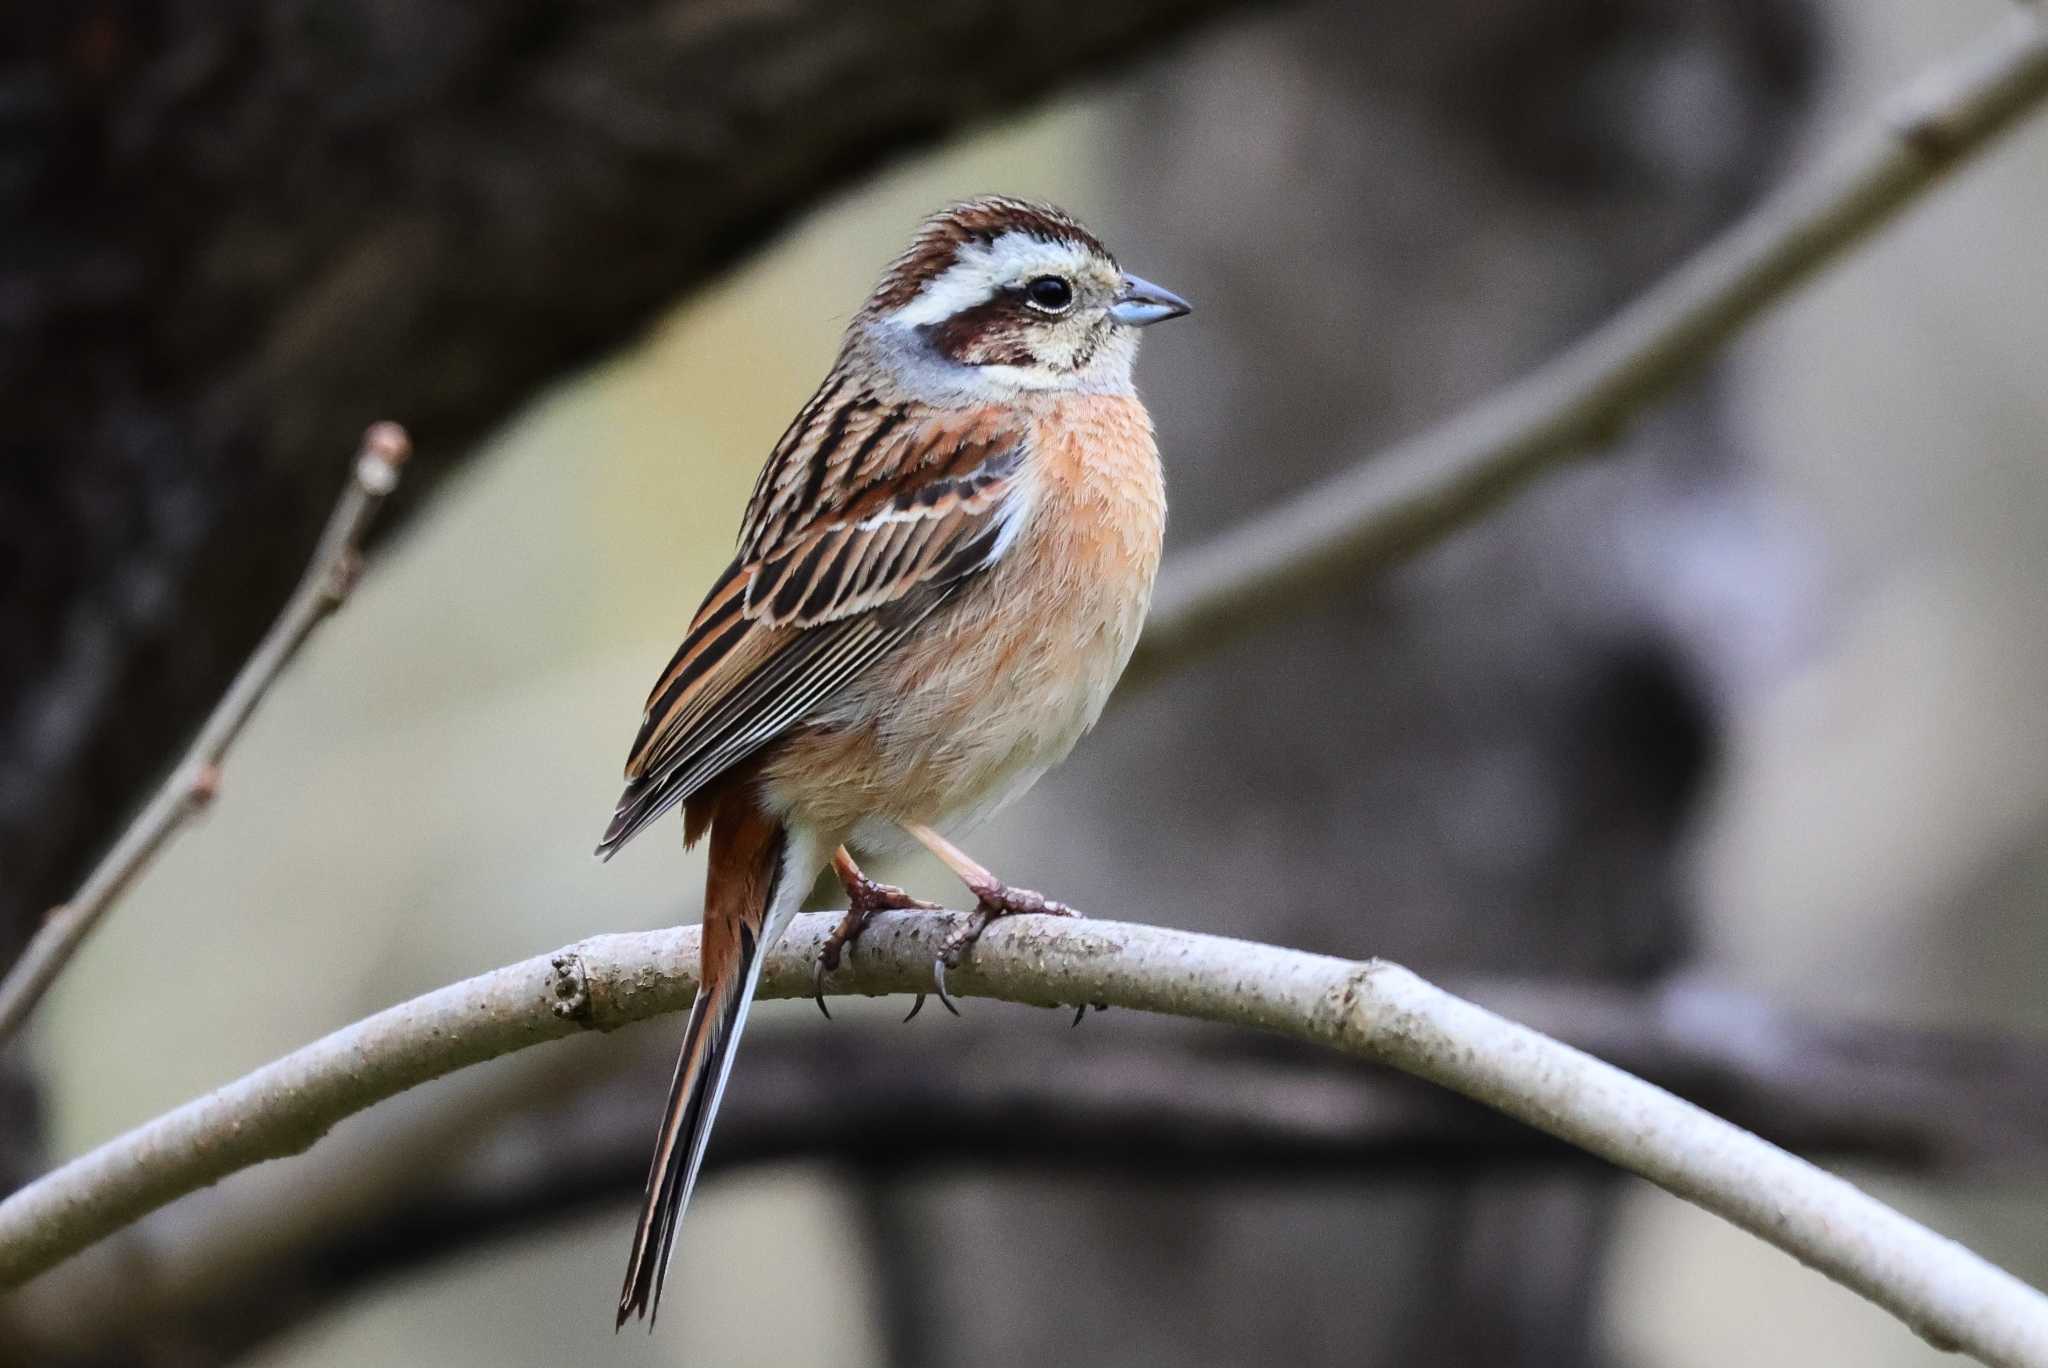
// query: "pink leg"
[[864, 898], [993, 899]]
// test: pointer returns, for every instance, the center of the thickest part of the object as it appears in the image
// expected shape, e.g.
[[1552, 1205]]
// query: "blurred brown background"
[[1761, 699]]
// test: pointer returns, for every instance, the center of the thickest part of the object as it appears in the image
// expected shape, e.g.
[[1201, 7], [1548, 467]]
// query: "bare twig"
[[1412, 494], [326, 584], [1373, 1010]]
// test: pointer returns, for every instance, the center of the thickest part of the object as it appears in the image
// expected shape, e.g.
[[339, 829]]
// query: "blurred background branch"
[[325, 586], [1407, 496]]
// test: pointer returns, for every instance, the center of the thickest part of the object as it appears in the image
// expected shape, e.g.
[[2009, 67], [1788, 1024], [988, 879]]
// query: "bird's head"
[[998, 293]]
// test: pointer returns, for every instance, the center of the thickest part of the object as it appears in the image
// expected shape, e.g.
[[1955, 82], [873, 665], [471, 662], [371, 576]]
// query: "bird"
[[940, 575]]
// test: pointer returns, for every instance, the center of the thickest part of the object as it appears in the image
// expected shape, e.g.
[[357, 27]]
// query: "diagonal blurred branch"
[[1373, 1010], [329, 578], [1407, 497]]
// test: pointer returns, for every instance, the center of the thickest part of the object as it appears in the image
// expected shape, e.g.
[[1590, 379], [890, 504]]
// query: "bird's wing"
[[866, 518]]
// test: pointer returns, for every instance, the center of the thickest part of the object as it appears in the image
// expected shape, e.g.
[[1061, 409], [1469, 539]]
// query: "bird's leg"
[[992, 899], [864, 898]]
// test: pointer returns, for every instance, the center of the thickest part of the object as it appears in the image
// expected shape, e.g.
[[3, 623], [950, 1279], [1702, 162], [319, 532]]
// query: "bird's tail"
[[753, 890]]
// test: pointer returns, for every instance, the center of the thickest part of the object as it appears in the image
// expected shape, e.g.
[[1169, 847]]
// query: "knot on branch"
[[344, 572], [1927, 133], [569, 987]]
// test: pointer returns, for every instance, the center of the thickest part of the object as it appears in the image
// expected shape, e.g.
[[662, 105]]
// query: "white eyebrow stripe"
[[979, 270], [966, 283]]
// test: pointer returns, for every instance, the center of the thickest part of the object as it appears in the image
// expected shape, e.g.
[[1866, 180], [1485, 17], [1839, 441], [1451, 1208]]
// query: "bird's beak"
[[1142, 304]]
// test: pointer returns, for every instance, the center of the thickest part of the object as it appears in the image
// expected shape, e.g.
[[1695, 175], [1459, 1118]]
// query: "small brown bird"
[[940, 576]]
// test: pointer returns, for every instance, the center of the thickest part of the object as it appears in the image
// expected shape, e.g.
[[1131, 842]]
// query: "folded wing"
[[867, 518]]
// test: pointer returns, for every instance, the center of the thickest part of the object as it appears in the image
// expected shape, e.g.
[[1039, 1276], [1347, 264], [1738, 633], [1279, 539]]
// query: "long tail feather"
[[752, 892]]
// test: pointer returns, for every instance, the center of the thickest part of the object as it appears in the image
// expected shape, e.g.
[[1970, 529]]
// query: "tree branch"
[[499, 1152], [503, 1151], [329, 578], [1414, 493], [1373, 1010]]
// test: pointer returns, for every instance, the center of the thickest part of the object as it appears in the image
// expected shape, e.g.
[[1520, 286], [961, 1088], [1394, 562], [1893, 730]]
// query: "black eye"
[[1049, 293]]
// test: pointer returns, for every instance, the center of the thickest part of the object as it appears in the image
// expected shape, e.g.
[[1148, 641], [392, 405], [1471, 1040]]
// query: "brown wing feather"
[[867, 517]]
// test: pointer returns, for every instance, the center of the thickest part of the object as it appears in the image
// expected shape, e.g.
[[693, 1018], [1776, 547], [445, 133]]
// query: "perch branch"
[[1373, 1010], [491, 1154], [325, 586], [1412, 494]]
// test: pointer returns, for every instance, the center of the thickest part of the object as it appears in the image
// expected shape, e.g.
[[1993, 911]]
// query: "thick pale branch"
[[1373, 1010], [325, 586], [494, 1153], [1409, 496]]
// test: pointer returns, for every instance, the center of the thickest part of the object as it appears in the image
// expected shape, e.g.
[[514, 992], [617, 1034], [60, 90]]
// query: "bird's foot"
[[992, 901], [864, 898]]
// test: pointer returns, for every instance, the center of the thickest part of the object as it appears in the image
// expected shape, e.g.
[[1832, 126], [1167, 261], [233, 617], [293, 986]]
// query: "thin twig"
[[1373, 1010], [335, 567], [1412, 494]]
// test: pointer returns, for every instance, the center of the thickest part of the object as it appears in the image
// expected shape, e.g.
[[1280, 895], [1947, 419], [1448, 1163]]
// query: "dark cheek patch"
[[994, 333]]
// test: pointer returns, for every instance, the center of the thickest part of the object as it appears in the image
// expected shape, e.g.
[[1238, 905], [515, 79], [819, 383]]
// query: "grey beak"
[[1142, 304]]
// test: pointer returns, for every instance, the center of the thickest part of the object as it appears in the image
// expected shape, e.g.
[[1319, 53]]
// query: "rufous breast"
[[997, 686]]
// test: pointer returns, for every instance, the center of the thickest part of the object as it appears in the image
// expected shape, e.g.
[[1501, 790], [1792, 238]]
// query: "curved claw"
[[818, 986], [1079, 1012], [915, 1008], [939, 985]]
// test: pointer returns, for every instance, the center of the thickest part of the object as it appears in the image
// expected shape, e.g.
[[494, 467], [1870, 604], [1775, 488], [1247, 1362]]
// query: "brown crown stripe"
[[984, 220]]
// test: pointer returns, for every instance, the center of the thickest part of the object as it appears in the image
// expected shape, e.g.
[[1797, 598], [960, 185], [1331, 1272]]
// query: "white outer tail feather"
[[802, 858]]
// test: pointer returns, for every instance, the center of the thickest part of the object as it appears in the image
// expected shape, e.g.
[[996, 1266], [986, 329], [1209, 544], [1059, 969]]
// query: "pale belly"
[[998, 685]]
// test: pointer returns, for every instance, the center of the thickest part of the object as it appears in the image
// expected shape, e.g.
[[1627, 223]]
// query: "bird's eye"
[[1049, 293]]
